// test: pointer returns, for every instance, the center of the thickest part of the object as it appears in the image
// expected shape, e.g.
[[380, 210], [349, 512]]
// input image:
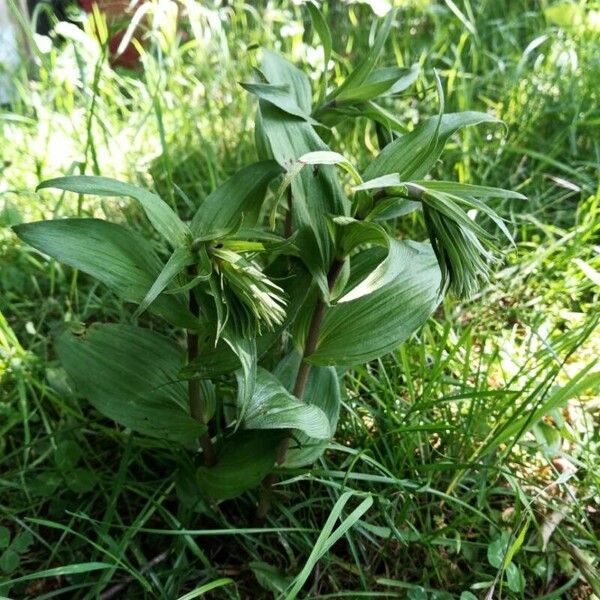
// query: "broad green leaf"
[[130, 375], [9, 561], [160, 214], [497, 550], [360, 74], [113, 254], [390, 180], [413, 155], [22, 541], [244, 460], [515, 579], [352, 234], [392, 207], [279, 96], [273, 407], [382, 82], [178, 261], [279, 71], [330, 115], [384, 273], [319, 157], [322, 390], [246, 351], [320, 26], [360, 330], [240, 198]]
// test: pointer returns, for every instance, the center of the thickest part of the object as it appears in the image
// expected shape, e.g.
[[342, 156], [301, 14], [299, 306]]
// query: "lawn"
[[466, 462]]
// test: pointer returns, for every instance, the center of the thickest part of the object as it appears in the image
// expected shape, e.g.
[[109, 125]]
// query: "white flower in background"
[[291, 29]]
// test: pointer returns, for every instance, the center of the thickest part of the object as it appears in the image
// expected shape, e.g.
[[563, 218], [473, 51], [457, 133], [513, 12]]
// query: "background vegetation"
[[478, 440]]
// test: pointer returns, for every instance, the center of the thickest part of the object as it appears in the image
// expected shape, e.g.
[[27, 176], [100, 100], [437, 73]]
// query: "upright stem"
[[194, 391], [288, 226], [310, 346]]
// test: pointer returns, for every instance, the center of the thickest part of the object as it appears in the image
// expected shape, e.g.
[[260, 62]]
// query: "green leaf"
[[383, 274], [392, 207], [413, 155], [361, 73], [467, 190], [178, 261], [363, 329], [67, 455], [279, 96], [245, 350], [382, 82], [269, 577], [81, 481], [207, 587], [64, 571], [515, 579], [160, 214], [4, 537], [497, 550], [279, 71], [22, 541], [350, 235], [517, 544], [130, 375], [244, 460], [118, 257], [9, 561], [441, 202], [315, 192], [331, 114], [273, 407], [322, 390], [328, 537], [241, 196]]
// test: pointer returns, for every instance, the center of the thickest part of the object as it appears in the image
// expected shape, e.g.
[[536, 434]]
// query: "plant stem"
[[310, 346], [194, 392], [287, 226]]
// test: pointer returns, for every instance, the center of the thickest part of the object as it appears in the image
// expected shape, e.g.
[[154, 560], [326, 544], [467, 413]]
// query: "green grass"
[[477, 437]]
